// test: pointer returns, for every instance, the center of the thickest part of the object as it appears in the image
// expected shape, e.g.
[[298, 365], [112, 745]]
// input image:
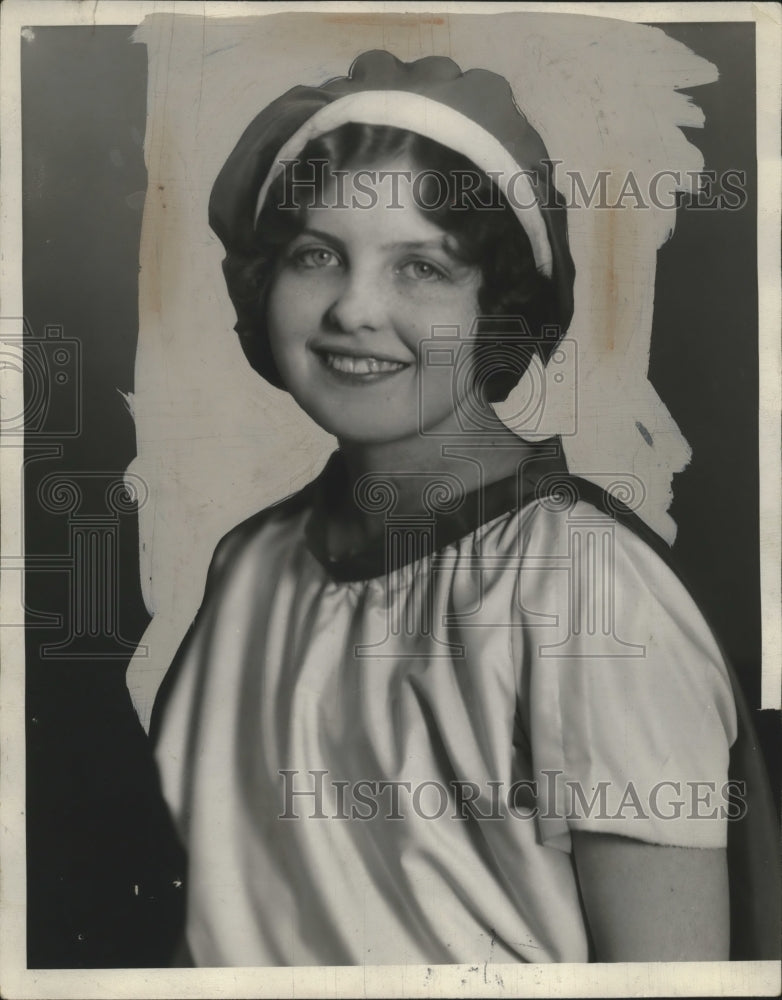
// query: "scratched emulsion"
[[216, 443]]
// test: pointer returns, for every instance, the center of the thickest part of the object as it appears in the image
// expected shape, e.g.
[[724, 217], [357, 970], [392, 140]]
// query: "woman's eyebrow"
[[432, 244], [321, 235], [395, 246]]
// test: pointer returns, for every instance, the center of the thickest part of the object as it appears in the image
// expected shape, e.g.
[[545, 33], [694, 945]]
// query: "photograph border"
[[622, 979]]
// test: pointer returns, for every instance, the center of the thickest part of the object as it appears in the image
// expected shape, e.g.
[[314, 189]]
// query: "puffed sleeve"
[[631, 712]]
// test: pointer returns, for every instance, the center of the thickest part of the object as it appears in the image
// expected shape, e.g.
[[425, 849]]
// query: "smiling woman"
[[444, 606], [393, 640], [462, 219], [351, 301]]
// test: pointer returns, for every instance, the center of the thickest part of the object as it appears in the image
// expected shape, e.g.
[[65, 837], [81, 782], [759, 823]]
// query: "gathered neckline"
[[451, 515]]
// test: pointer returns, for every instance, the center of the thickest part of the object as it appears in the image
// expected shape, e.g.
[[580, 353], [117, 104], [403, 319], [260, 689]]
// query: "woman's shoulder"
[[239, 538], [588, 550], [563, 506]]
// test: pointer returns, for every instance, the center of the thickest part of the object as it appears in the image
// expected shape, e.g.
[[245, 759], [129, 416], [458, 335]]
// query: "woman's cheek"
[[289, 311], [304, 294]]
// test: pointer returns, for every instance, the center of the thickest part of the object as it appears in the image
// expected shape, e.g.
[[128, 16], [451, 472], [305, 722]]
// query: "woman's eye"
[[315, 257], [422, 270]]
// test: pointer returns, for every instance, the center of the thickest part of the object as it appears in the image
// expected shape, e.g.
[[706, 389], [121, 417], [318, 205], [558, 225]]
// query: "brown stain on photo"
[[383, 20]]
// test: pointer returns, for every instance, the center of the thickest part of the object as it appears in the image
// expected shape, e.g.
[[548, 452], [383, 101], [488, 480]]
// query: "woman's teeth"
[[361, 366]]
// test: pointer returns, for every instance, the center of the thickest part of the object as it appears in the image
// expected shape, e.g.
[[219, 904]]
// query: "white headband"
[[402, 109]]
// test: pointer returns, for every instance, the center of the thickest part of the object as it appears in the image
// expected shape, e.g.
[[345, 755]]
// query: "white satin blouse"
[[381, 762]]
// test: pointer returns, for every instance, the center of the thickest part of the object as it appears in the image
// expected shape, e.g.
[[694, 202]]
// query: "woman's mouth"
[[365, 367]]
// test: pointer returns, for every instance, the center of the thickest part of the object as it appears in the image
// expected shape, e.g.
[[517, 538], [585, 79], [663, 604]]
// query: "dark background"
[[104, 868]]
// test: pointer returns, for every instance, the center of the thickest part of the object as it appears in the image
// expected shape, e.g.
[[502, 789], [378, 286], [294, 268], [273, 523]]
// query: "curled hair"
[[486, 232]]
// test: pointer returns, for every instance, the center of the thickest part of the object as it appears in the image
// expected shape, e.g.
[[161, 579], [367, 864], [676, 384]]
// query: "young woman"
[[447, 704]]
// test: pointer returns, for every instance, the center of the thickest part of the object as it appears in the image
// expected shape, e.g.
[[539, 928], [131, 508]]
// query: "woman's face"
[[353, 298]]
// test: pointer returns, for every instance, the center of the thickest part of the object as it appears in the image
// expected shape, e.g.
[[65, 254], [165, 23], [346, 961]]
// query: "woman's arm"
[[649, 903]]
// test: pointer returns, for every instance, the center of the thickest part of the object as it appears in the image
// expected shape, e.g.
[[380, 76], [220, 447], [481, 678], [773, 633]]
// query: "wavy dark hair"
[[519, 312]]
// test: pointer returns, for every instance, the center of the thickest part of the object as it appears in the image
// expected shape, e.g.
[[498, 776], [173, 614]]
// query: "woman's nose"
[[359, 305]]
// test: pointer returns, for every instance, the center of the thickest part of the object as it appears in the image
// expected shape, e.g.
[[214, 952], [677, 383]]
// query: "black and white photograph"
[[390, 443]]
